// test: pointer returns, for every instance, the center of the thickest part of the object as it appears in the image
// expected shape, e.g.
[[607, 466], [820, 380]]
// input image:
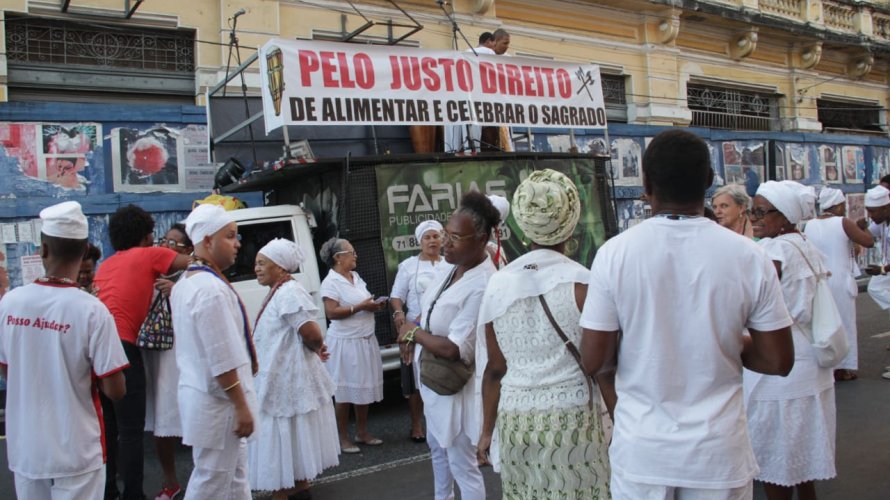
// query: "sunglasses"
[[171, 243]]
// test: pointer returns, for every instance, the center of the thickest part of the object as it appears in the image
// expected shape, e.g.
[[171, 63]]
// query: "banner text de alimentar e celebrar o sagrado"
[[319, 83]]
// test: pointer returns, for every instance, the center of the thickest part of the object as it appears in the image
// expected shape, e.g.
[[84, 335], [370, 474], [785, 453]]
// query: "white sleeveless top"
[[829, 237]]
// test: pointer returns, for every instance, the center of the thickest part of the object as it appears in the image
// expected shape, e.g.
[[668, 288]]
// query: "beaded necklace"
[[275, 287], [56, 281]]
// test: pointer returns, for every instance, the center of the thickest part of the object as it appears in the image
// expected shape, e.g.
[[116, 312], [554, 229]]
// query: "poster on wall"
[[627, 162], [743, 162], [830, 167], [797, 162], [880, 164], [853, 158], [856, 206], [161, 158], [58, 154], [4, 272], [781, 173]]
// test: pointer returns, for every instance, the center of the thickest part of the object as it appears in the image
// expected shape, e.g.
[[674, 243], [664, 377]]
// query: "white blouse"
[[412, 280], [454, 315], [336, 287]]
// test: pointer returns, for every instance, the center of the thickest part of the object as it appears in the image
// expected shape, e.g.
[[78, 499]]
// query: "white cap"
[[830, 197], [64, 220], [877, 196], [285, 253], [206, 220], [502, 205], [427, 225], [794, 200]]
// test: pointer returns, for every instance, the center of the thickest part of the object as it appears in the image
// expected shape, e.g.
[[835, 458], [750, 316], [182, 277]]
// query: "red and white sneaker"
[[169, 493]]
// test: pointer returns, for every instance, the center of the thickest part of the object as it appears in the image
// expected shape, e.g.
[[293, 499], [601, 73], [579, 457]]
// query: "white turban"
[[64, 220], [285, 253], [796, 201], [877, 196], [830, 197], [206, 220], [546, 207], [427, 225], [502, 205]]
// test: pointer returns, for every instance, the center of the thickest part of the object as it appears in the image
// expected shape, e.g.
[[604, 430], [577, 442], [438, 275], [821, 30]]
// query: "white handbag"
[[879, 290], [827, 334]]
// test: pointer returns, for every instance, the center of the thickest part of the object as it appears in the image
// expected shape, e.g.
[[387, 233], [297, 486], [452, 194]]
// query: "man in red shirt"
[[126, 283]]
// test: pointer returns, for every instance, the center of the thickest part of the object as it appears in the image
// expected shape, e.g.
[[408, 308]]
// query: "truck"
[[376, 201]]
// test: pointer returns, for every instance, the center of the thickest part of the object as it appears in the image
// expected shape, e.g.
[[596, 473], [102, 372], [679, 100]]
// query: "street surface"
[[401, 469]]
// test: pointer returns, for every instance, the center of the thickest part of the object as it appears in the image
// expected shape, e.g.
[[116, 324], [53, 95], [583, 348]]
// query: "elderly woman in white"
[[297, 427], [448, 331], [412, 279], [791, 420]]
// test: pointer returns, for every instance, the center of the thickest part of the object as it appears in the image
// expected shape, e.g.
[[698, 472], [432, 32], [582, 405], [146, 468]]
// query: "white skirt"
[[794, 440], [357, 370], [292, 449], [161, 389]]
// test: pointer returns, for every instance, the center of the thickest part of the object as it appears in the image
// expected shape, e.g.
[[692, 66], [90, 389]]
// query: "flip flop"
[[371, 442], [351, 450], [418, 439]]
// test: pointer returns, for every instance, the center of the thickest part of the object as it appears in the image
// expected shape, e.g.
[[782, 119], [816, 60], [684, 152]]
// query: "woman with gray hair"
[[534, 388], [731, 204], [354, 364]]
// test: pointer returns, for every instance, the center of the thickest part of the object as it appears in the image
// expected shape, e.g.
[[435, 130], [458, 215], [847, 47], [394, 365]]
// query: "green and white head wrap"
[[546, 207]]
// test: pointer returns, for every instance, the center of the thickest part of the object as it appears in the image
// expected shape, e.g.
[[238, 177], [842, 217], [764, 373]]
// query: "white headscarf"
[[502, 205], [285, 253], [546, 207], [206, 220], [64, 220], [796, 201], [877, 196], [423, 227], [830, 197]]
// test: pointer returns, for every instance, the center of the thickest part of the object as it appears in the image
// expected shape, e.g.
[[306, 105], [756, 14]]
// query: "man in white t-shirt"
[[216, 361], [58, 348], [681, 289]]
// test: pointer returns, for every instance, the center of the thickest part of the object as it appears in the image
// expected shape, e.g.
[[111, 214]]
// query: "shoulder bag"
[[572, 350], [156, 332], [440, 375]]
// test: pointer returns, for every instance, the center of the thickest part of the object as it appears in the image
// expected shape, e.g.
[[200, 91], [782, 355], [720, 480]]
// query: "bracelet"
[[883, 270], [409, 337], [351, 309], [397, 313], [227, 389]]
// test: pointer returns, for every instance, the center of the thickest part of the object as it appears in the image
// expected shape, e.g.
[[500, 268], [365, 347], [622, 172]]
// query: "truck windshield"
[[253, 238]]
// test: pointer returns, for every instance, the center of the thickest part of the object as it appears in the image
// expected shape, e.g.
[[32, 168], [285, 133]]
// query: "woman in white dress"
[[162, 382], [412, 279], [355, 363], [297, 428], [545, 407], [791, 420], [834, 235], [450, 309]]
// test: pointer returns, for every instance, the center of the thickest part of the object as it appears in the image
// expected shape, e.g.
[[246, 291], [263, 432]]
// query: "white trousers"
[[220, 474], [89, 485], [456, 463], [624, 489]]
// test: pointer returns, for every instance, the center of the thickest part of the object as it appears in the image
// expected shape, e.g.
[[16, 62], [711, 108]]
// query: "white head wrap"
[[285, 253], [830, 197], [64, 220], [423, 227], [877, 196], [502, 205], [546, 207], [796, 201], [206, 220]]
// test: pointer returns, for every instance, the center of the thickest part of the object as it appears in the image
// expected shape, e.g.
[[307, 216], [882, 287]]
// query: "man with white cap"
[[834, 235], [877, 205], [58, 347], [664, 286], [216, 360]]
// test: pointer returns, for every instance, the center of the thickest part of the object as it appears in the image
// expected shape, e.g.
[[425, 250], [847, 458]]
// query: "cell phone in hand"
[[380, 300]]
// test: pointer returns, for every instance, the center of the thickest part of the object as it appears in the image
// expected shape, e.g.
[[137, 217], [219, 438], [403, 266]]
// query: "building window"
[[60, 55], [839, 116], [615, 97], [732, 109]]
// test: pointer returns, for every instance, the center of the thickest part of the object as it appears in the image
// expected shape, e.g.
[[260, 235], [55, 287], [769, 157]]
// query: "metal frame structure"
[[130, 8]]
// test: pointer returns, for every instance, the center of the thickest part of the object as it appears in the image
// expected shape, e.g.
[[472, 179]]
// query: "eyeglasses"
[[351, 252], [454, 238], [171, 243], [759, 213]]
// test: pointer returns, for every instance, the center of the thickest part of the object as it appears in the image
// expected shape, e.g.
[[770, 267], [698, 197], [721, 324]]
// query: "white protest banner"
[[327, 83]]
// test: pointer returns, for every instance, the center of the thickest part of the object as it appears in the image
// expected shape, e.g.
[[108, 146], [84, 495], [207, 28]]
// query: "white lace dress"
[[551, 444], [791, 420], [297, 430]]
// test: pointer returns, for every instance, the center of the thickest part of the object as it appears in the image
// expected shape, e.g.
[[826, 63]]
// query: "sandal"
[[418, 439], [370, 442], [845, 375]]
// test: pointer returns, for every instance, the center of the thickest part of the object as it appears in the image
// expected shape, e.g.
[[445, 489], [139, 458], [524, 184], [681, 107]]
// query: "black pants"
[[124, 431]]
